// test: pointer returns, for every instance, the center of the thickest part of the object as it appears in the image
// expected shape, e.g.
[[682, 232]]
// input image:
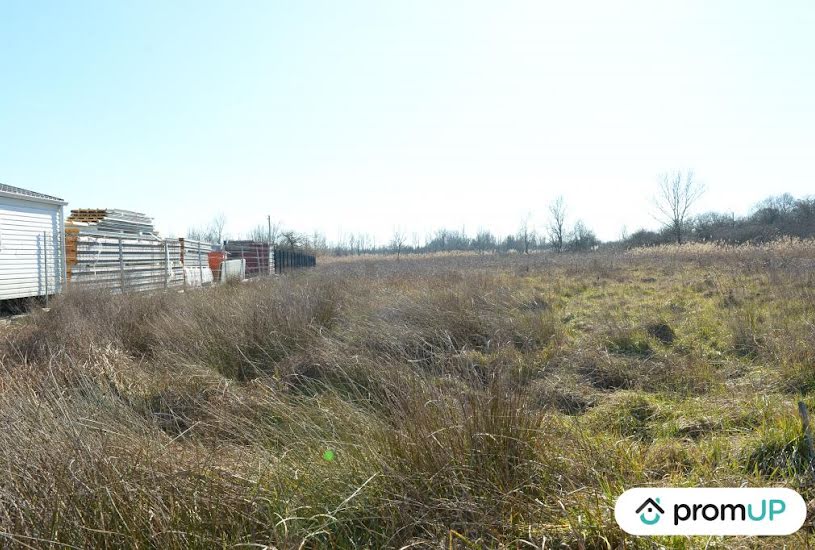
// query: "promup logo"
[[652, 507], [731, 511]]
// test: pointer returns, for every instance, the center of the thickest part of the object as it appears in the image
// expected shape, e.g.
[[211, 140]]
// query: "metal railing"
[[127, 263], [258, 256], [287, 260], [136, 263]]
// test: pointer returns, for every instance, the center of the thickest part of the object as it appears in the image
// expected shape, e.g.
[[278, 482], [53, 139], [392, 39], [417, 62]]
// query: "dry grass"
[[468, 400]]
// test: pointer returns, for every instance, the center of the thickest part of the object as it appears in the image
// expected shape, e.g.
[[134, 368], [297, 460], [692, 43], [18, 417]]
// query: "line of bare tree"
[[677, 193]]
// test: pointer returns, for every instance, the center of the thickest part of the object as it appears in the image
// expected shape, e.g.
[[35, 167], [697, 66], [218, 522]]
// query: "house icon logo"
[[710, 511], [648, 508]]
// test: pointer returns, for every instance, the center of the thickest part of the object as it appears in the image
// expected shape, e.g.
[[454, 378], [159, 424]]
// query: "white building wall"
[[31, 248]]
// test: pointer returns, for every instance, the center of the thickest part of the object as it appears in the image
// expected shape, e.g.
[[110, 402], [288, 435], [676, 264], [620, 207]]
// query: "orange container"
[[216, 258]]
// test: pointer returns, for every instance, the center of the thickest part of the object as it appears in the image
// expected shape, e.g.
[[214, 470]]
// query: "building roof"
[[26, 194]]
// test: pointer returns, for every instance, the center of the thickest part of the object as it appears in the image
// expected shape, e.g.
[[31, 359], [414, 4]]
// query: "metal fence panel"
[[286, 260], [134, 263], [259, 257]]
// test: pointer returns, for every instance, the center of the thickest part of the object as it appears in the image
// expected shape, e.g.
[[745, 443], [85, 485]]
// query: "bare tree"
[[292, 240], [268, 232], [217, 226], [397, 242], [442, 236], [676, 195], [319, 243], [198, 234], [784, 204], [484, 240], [212, 233], [557, 222], [582, 238], [525, 234]]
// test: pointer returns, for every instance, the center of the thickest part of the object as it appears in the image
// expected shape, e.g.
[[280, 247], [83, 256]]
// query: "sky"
[[367, 117]]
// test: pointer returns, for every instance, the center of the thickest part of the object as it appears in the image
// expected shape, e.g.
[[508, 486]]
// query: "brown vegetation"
[[468, 401]]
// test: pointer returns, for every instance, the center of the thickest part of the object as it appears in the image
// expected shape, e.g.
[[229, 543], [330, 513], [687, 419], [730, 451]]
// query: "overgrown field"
[[465, 402]]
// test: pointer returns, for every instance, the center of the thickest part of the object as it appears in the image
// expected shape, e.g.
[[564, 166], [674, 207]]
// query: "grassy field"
[[451, 402]]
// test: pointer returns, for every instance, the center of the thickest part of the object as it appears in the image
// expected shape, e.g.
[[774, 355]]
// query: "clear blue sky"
[[364, 116]]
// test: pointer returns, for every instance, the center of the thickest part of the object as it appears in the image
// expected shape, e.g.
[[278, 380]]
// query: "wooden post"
[[802, 410]]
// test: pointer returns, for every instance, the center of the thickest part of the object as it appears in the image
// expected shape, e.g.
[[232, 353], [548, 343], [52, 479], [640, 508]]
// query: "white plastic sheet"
[[233, 270]]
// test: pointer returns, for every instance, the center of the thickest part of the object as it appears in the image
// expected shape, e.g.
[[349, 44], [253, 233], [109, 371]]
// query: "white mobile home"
[[32, 243]]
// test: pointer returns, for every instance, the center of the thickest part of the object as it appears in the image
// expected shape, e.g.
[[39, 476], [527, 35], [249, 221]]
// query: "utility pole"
[[269, 221]]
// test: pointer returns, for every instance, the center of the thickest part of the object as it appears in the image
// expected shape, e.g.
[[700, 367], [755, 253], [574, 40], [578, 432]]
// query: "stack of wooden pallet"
[[110, 220]]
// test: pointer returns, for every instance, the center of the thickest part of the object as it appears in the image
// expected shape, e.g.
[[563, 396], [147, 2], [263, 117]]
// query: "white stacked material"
[[111, 220], [126, 263], [233, 270], [119, 250], [195, 253], [197, 276]]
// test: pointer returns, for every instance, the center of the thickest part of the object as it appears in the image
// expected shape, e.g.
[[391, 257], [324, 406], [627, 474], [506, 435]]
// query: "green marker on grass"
[[328, 455]]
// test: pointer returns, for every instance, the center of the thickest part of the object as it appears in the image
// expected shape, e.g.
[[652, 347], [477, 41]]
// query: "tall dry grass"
[[466, 402]]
